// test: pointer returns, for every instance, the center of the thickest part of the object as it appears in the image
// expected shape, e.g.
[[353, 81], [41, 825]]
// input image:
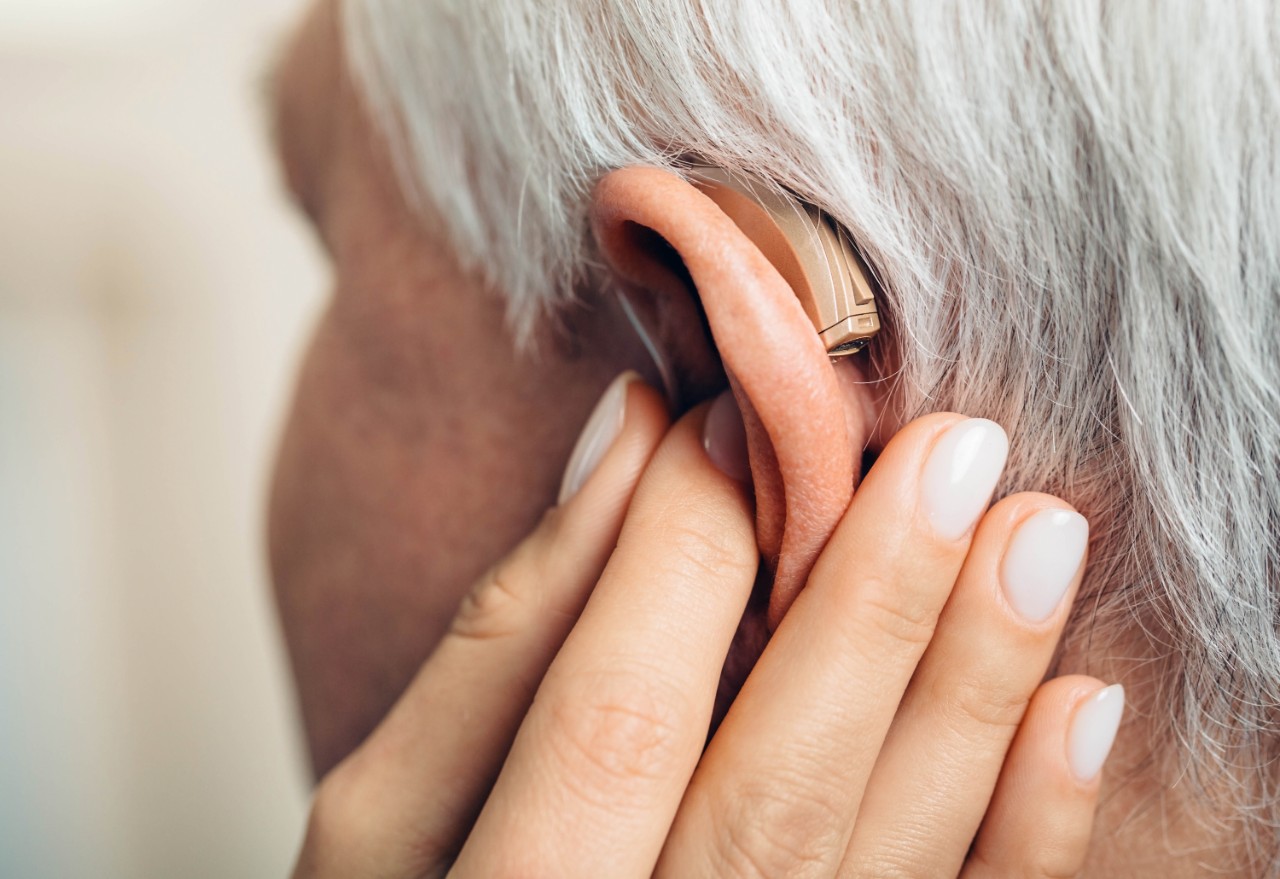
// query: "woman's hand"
[[560, 728]]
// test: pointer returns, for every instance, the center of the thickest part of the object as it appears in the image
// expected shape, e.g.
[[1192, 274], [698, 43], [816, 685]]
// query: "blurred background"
[[155, 292]]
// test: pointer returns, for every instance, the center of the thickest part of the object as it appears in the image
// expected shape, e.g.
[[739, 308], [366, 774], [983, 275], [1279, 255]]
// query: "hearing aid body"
[[812, 254]]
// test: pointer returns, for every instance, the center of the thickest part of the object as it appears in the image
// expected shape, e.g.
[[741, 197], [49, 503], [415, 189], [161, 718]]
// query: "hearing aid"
[[813, 255], [669, 384]]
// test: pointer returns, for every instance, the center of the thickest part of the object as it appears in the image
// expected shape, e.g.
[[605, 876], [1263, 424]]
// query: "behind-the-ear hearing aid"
[[813, 255]]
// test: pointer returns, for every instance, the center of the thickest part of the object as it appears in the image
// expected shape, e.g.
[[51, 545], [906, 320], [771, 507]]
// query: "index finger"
[[603, 758]]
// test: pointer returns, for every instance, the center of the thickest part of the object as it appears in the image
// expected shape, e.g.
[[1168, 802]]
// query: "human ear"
[[808, 418]]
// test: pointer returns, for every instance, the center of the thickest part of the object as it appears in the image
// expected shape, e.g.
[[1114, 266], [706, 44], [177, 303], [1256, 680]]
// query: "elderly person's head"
[[1071, 211]]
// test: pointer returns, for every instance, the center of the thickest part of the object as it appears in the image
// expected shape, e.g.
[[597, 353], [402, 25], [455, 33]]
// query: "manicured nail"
[[1042, 560], [601, 430], [960, 475], [725, 439], [1093, 731]]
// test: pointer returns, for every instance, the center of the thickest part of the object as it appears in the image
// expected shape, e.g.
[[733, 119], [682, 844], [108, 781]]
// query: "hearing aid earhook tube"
[[664, 366]]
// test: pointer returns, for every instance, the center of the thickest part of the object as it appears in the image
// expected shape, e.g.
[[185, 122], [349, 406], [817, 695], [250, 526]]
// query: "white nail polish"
[[1093, 731], [960, 475], [1041, 561], [601, 430]]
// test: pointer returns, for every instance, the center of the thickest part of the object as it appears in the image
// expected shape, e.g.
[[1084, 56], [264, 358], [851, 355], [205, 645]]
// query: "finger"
[[995, 638], [779, 785], [601, 761], [1041, 817], [406, 797]]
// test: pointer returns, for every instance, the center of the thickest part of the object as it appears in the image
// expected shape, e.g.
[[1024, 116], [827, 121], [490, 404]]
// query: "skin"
[[410, 423], [428, 583]]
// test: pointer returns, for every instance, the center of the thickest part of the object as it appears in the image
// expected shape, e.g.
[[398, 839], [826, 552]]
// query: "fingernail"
[[1042, 560], [601, 430], [1093, 732], [960, 475], [725, 438]]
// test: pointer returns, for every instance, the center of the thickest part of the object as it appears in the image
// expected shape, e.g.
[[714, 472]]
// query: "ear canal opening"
[[697, 379], [648, 241]]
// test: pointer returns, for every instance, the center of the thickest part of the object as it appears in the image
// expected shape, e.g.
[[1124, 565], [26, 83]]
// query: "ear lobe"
[[806, 428]]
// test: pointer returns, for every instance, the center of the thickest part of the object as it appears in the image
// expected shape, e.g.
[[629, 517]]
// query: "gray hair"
[[1074, 211]]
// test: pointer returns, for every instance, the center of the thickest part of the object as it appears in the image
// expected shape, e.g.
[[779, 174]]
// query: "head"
[[1073, 234]]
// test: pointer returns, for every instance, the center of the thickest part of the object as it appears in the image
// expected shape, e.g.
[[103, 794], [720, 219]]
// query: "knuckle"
[[507, 598], [613, 729], [775, 826], [1062, 855], [898, 613], [1063, 860], [494, 608], [990, 705], [979, 863], [345, 834], [1053, 862], [334, 813], [889, 863], [705, 548]]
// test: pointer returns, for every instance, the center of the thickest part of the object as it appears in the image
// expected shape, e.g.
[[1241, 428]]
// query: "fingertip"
[[1040, 821], [647, 409], [724, 438], [1081, 741], [897, 468], [1066, 690], [590, 518], [619, 438], [1092, 732], [598, 436], [710, 433], [683, 474]]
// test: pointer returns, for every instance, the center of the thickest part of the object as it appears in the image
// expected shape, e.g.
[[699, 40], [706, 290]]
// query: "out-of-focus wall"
[[154, 295]]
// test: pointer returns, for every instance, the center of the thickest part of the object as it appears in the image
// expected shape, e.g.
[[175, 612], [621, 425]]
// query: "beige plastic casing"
[[813, 256]]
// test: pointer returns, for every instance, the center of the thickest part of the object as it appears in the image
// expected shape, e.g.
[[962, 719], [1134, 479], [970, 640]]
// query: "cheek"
[[390, 499]]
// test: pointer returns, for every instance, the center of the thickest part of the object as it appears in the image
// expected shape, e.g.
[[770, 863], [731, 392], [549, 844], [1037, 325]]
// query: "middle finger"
[[942, 756]]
